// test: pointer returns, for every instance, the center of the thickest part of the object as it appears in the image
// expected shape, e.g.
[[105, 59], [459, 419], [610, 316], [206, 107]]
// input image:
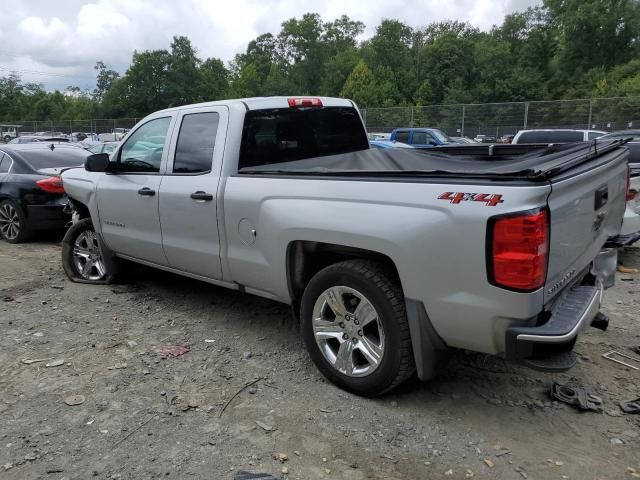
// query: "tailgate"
[[586, 207]]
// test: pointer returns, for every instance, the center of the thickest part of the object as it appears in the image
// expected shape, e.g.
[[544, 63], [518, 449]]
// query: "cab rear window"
[[288, 134]]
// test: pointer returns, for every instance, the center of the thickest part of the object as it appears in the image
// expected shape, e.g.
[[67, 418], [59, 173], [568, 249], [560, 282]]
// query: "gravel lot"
[[143, 414]]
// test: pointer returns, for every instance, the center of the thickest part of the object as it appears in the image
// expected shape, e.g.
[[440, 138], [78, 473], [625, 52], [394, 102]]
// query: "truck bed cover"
[[516, 162]]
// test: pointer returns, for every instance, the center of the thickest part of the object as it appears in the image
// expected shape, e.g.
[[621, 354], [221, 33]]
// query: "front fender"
[[81, 186]]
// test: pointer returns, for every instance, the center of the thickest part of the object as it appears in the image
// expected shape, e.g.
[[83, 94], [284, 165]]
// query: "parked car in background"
[[37, 139], [420, 137], [116, 135], [8, 132], [104, 147], [506, 139], [387, 144], [408, 253], [633, 145], [31, 193], [463, 140], [555, 135], [631, 222], [485, 138], [50, 134], [83, 137], [379, 136]]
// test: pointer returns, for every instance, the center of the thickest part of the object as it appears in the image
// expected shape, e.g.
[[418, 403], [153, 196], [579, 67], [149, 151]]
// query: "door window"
[[593, 135], [422, 138], [142, 152], [196, 140], [402, 137], [5, 163]]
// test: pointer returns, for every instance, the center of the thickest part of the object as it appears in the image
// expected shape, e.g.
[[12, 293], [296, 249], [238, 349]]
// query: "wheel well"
[[305, 259], [81, 208]]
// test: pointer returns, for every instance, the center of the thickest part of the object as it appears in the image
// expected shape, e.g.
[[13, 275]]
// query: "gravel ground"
[[141, 413]]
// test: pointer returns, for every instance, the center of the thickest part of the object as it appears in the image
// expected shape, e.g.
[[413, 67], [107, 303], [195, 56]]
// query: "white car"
[[555, 135]]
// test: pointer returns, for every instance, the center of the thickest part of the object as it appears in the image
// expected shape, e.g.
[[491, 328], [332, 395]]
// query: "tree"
[[104, 79], [247, 84], [182, 73], [594, 33], [145, 84], [300, 45], [213, 81], [361, 86]]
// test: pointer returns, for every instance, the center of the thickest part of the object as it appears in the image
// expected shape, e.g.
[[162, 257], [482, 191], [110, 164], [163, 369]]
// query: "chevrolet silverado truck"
[[388, 257]]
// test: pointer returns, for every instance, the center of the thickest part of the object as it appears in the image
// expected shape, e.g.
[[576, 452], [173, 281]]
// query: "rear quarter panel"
[[437, 247]]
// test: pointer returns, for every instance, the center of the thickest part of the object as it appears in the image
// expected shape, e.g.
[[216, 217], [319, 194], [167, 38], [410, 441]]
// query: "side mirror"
[[98, 162]]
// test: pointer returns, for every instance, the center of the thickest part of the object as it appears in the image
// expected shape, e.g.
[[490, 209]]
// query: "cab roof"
[[262, 103]]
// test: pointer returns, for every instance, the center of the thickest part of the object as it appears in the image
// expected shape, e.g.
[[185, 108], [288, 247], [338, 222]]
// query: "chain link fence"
[[102, 125], [491, 119], [497, 119]]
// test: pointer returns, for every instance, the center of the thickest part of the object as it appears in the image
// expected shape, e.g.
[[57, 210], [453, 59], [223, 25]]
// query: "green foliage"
[[561, 50]]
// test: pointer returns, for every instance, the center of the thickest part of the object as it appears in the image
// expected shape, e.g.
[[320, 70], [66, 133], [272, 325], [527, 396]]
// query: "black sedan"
[[31, 193]]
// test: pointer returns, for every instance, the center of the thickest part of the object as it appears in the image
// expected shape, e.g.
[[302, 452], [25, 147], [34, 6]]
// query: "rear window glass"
[[288, 134], [551, 137], [59, 157]]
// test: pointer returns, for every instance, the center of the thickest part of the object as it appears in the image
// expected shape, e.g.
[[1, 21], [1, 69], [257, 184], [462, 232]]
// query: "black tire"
[[24, 230], [7, 139], [68, 263], [384, 293]]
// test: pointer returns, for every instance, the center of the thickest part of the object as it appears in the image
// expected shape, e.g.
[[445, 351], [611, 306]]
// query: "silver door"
[[188, 192], [128, 199]]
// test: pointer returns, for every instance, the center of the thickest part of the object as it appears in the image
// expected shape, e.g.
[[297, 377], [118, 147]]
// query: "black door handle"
[[146, 192], [200, 195]]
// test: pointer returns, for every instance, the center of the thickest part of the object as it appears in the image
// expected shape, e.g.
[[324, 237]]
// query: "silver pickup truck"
[[388, 257]]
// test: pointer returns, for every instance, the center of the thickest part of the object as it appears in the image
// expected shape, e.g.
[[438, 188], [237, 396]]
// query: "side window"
[[5, 163], [196, 140], [419, 138], [534, 137], [422, 138], [402, 137], [565, 137], [142, 152], [592, 135]]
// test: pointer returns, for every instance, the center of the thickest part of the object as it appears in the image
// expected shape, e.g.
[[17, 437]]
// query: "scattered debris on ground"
[[134, 389]]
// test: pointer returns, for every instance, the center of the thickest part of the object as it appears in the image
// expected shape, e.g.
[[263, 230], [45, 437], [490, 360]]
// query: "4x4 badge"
[[489, 199]]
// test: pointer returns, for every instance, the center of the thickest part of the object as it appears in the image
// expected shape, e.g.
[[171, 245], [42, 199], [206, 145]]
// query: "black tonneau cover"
[[524, 162]]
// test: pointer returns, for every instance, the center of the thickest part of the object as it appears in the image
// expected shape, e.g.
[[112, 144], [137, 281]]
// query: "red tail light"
[[519, 250], [51, 185], [304, 102]]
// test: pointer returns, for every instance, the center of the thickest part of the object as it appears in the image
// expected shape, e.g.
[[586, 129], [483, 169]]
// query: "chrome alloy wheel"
[[348, 331], [9, 222], [87, 257]]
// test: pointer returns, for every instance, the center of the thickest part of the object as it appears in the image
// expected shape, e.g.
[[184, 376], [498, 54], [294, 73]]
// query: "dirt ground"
[[144, 414]]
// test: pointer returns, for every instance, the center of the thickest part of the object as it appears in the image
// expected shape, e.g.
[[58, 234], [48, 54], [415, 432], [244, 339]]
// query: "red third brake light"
[[51, 185], [304, 102], [519, 250]]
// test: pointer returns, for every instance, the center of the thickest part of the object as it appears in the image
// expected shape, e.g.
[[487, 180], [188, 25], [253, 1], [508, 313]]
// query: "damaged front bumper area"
[[548, 346]]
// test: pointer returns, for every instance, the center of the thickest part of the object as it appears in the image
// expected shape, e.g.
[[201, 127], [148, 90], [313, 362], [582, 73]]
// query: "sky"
[[57, 43]]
